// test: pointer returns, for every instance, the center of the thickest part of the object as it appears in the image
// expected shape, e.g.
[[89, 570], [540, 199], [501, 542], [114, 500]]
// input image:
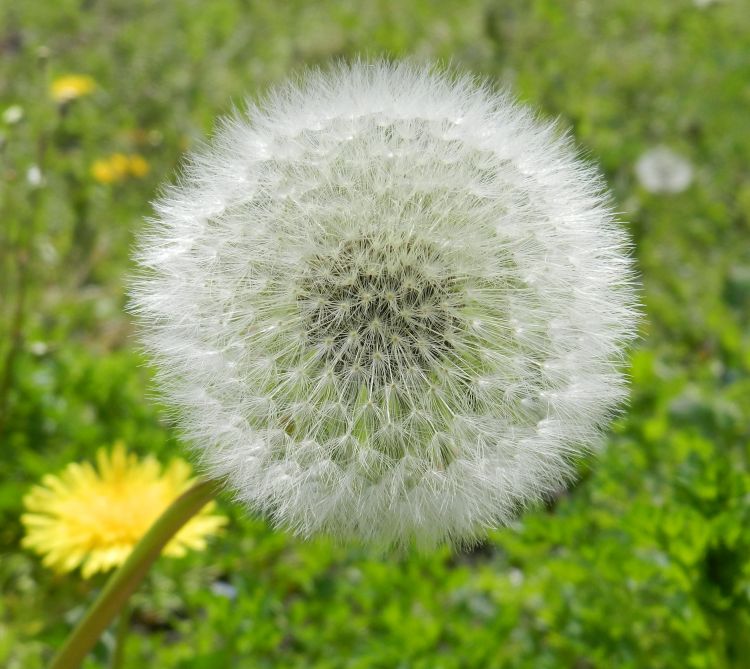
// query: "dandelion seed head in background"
[[389, 304], [34, 176], [661, 170], [13, 114]]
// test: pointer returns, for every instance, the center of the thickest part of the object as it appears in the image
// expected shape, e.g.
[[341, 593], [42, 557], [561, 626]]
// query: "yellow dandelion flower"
[[92, 517], [119, 167], [103, 172], [138, 165], [71, 86]]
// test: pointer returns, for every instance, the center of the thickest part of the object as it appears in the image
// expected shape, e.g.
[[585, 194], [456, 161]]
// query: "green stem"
[[123, 627], [126, 579]]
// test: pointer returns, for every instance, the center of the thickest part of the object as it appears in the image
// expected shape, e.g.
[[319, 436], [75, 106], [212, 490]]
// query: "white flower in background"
[[13, 114], [389, 304], [661, 170], [34, 176]]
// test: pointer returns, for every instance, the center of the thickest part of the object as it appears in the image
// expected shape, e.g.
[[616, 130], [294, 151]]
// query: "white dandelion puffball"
[[389, 305], [661, 170]]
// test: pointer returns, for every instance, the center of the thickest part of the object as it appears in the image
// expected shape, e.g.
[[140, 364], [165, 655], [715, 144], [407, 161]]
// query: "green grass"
[[645, 563]]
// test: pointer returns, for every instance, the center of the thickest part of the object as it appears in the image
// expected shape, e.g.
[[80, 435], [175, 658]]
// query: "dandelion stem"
[[126, 579], [123, 627]]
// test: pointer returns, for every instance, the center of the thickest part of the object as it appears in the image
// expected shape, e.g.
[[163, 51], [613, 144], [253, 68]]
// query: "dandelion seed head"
[[389, 304], [13, 114], [661, 170]]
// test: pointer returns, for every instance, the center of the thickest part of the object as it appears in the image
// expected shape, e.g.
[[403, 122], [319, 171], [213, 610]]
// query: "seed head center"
[[379, 305]]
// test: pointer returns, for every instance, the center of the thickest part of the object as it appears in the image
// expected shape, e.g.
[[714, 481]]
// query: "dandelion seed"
[[71, 86], [389, 305], [92, 517]]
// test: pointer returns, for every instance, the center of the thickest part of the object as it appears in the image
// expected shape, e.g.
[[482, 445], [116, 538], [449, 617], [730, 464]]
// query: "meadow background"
[[644, 563]]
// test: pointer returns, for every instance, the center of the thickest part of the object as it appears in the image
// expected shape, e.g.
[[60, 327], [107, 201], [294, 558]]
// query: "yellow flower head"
[[71, 86], [119, 167], [137, 165], [92, 517]]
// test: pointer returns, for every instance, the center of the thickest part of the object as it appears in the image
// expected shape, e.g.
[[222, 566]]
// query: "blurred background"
[[644, 563]]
